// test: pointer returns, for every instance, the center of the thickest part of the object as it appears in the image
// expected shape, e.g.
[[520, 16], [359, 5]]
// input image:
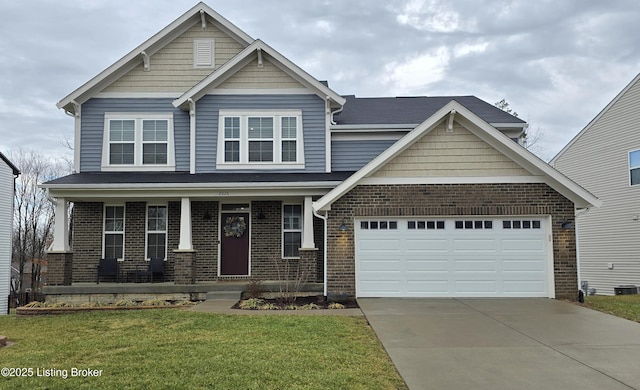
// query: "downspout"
[[324, 260], [328, 122], [192, 136], [579, 213]]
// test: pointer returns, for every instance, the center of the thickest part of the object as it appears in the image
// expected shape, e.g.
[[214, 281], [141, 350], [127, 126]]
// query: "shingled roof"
[[413, 110]]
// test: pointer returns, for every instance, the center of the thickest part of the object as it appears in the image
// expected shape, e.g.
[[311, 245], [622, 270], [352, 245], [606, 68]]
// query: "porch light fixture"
[[343, 227], [566, 224]]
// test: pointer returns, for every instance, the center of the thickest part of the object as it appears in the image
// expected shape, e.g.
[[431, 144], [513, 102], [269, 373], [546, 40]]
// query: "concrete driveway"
[[505, 344]]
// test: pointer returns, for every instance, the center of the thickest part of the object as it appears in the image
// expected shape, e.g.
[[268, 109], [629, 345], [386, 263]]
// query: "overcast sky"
[[557, 63]]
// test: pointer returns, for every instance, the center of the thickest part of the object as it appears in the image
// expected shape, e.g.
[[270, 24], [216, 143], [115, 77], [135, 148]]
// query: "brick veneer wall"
[[87, 240], [205, 236], [449, 200], [266, 238]]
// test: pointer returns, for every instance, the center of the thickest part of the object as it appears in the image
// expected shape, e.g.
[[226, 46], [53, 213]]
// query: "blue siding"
[[313, 122], [353, 155], [93, 126]]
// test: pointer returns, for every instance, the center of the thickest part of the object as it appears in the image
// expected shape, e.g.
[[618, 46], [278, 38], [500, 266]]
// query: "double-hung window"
[[138, 142], [156, 232], [291, 230], [634, 167], [260, 140], [113, 232]]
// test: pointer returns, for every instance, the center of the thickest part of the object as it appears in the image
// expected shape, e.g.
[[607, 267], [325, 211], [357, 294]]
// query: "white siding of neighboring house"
[[6, 218], [597, 159]]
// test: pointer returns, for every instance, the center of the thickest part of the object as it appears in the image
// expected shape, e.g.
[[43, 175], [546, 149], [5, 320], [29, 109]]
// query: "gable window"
[[260, 140], [113, 232], [138, 142], [634, 167], [156, 232], [291, 230]]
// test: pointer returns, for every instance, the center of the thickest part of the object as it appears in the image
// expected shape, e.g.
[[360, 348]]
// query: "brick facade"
[[265, 231], [449, 200]]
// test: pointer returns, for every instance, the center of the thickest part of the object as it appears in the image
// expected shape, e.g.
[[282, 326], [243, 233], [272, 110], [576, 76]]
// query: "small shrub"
[[125, 302], [310, 306], [61, 304], [90, 304], [154, 302], [269, 306], [251, 304], [36, 304], [254, 289], [290, 307], [335, 305]]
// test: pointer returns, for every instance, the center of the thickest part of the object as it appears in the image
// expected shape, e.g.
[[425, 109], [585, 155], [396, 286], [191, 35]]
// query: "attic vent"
[[203, 54]]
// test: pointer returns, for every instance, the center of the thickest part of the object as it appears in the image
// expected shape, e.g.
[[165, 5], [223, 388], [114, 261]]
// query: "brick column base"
[[309, 263], [59, 268], [184, 267]]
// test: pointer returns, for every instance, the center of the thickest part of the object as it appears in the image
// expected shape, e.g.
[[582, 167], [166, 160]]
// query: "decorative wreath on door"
[[234, 227]]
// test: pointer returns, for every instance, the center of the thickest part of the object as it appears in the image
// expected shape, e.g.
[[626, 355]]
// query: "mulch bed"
[[348, 303]]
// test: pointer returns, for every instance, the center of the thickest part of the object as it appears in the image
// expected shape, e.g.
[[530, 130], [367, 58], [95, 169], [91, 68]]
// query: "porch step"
[[223, 295]]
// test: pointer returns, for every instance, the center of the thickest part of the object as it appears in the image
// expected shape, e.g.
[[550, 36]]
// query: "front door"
[[234, 258]]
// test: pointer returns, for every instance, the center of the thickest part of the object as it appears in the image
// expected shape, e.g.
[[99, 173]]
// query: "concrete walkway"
[[505, 344]]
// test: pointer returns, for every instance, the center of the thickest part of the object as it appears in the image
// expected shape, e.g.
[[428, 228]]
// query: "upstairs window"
[[634, 167], [138, 142], [260, 140]]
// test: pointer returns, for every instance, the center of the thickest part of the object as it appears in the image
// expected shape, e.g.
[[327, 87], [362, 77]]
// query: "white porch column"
[[307, 237], [185, 225], [61, 227]]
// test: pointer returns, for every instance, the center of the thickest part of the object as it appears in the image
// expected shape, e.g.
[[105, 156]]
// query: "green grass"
[[625, 306], [158, 349]]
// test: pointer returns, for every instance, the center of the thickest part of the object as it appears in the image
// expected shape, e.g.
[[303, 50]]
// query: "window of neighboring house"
[[634, 167], [156, 232], [291, 230], [260, 140], [203, 53], [138, 142], [113, 232]]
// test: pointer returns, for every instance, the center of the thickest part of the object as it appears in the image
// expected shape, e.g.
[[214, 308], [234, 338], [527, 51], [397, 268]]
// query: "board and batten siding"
[[598, 160], [450, 154], [171, 68], [313, 124], [6, 222], [351, 155], [92, 129]]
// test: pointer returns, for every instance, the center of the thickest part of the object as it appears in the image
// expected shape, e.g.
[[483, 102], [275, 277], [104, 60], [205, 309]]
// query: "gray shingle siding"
[[93, 126], [313, 118], [353, 155]]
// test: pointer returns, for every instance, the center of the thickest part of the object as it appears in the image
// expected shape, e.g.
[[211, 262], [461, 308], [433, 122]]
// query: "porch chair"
[[108, 267], [155, 269]]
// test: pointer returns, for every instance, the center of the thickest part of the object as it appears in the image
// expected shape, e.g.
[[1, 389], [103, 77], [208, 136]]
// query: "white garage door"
[[461, 257]]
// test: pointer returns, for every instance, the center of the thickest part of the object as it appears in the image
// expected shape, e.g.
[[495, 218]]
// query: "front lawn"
[[176, 349], [625, 306]]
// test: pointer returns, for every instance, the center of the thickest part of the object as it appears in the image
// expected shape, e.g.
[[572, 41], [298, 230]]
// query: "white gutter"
[[579, 213], [190, 186], [324, 260]]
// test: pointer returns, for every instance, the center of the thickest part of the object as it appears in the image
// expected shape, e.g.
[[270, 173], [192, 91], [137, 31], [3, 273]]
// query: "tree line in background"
[[33, 216]]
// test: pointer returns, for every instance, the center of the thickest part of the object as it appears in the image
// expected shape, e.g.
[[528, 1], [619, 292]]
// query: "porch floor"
[[88, 292]]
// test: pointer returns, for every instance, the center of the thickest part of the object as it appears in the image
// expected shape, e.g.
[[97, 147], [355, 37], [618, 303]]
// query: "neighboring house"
[[213, 151], [8, 174], [604, 158]]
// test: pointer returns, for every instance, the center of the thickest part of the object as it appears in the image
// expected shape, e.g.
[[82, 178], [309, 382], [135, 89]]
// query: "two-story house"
[[211, 150]]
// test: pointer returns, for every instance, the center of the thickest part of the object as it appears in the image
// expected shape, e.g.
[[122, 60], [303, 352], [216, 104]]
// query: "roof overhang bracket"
[[260, 63], [203, 19], [147, 60], [452, 114]]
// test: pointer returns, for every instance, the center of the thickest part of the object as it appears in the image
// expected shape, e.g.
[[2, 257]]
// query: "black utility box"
[[626, 290]]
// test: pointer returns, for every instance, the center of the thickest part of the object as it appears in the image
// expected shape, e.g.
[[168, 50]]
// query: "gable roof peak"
[[150, 47]]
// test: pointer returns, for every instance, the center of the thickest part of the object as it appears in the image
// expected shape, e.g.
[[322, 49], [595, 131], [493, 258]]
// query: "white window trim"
[[301, 230], [196, 45], [629, 166], [244, 162], [147, 231], [137, 165], [124, 228]]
